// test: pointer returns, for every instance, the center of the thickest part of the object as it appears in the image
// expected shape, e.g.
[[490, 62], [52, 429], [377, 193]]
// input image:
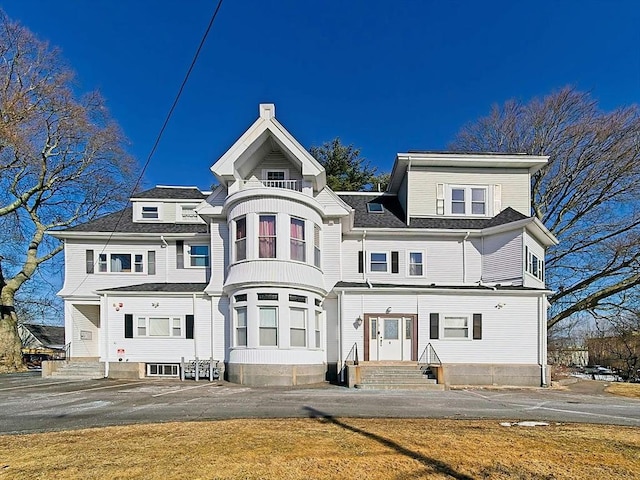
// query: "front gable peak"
[[265, 139]]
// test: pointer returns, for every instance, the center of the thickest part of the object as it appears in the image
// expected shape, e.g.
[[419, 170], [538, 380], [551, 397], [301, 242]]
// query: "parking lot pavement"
[[29, 403]]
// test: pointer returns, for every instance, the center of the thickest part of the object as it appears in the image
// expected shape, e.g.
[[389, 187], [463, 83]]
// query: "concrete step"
[[382, 381], [89, 370], [400, 386]]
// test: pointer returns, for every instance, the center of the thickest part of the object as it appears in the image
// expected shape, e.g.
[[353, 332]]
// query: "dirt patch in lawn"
[[326, 448], [631, 390]]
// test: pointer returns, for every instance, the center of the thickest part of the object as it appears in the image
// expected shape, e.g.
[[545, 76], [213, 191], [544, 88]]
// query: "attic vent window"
[[373, 207]]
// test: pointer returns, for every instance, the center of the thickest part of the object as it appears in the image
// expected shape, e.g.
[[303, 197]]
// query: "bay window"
[[241, 326], [267, 236], [268, 326], [298, 244], [298, 327], [241, 239]]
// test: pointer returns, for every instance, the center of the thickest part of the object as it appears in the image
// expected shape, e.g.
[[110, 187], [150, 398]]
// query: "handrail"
[[67, 350], [352, 356], [285, 184], [429, 356]]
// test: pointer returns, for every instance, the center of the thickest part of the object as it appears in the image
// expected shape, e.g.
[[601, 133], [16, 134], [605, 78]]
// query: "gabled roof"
[[162, 192], [266, 132], [160, 288], [394, 217], [47, 335], [122, 222]]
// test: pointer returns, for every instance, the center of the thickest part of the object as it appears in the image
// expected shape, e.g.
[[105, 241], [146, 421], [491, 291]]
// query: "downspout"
[[464, 258], [195, 337], [408, 190], [340, 354], [165, 245], [213, 323], [542, 334], [104, 314], [364, 256]]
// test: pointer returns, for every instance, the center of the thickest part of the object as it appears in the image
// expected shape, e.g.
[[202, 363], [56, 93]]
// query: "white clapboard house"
[[281, 280]]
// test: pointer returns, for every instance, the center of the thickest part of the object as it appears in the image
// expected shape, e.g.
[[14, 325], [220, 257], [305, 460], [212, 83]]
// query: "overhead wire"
[[160, 133]]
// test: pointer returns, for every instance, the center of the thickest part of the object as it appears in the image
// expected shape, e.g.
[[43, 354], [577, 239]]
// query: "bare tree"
[[587, 194], [615, 342], [62, 161]]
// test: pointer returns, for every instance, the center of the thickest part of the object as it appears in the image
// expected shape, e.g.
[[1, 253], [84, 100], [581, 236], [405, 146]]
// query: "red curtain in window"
[[267, 234]]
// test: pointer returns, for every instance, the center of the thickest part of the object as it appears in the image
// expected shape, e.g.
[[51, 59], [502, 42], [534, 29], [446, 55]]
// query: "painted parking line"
[[38, 385], [600, 415], [81, 390], [181, 390]]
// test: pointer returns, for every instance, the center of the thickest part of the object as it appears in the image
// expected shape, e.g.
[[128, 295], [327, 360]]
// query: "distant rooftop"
[[173, 193]]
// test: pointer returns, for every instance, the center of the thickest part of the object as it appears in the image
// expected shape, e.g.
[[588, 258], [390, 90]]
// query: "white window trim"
[[467, 200], [265, 171], [275, 306], [529, 265], [317, 311], [306, 328], [303, 240], [469, 318], [172, 365], [236, 239], [133, 264], [171, 318], [369, 256], [238, 306], [139, 207], [187, 255], [424, 263]]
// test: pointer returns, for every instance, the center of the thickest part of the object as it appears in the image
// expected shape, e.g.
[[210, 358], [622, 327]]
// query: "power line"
[[162, 129]]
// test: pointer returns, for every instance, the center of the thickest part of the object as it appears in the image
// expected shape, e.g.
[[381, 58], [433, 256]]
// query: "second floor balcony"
[[282, 184]]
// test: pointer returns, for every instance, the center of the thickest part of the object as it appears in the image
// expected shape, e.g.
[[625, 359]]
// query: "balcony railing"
[[285, 184]]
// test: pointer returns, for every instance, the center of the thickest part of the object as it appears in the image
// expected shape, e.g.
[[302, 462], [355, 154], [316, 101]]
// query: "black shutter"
[[394, 262], [434, 326], [360, 261], [179, 254], [189, 326], [128, 325], [89, 260], [151, 262], [477, 326]]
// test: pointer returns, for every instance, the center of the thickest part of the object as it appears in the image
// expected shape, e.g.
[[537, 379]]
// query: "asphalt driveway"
[[29, 403]]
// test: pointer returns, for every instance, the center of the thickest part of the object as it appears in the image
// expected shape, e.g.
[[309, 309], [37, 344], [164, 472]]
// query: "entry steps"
[[89, 370], [396, 376]]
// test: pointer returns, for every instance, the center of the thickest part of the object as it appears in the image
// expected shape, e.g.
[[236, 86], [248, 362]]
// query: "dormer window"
[[373, 207], [468, 200], [150, 213], [188, 213], [275, 175]]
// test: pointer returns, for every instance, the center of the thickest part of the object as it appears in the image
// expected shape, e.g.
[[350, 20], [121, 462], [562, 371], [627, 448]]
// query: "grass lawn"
[[631, 390], [326, 448]]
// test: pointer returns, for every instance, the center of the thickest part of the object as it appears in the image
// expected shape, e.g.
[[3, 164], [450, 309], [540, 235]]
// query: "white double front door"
[[390, 338]]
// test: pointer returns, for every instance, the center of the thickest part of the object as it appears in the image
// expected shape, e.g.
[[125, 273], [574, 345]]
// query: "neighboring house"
[[280, 278], [41, 342]]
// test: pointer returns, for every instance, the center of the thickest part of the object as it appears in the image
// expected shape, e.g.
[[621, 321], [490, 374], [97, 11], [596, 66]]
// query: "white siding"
[[219, 255], [149, 349], [538, 250], [443, 260], [331, 260], [330, 306], [276, 161], [502, 260], [509, 323], [403, 192], [423, 181], [83, 321]]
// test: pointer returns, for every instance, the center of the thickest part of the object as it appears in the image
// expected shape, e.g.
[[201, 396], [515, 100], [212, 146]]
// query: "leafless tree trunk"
[[62, 162], [587, 195]]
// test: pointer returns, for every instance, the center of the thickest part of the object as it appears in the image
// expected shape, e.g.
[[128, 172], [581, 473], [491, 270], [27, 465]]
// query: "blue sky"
[[386, 76]]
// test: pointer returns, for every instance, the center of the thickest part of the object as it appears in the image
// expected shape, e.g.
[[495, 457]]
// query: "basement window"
[[162, 370]]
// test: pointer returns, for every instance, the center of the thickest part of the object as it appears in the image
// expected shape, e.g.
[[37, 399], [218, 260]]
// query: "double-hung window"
[[317, 328], [268, 326], [120, 263], [199, 255], [316, 246], [468, 200], [416, 264], [456, 326], [267, 236], [298, 244], [241, 326], [298, 327], [378, 262], [241, 239]]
